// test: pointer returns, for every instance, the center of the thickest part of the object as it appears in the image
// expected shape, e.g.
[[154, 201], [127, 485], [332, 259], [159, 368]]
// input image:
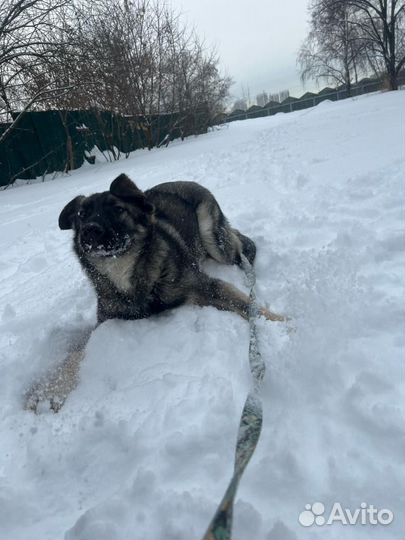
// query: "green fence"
[[47, 141]]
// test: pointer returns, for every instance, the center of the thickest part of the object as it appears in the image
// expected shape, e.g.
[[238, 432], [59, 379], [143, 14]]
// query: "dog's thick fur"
[[143, 252]]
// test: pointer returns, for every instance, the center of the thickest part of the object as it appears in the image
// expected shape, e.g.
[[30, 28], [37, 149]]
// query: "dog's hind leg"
[[214, 292], [223, 243]]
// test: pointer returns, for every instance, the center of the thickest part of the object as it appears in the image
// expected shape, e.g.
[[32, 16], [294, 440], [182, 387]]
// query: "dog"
[[143, 253]]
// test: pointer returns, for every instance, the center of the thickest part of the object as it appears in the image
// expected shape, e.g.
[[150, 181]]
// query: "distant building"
[[262, 99], [240, 104]]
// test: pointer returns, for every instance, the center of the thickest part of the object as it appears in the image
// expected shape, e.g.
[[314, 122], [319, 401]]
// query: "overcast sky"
[[257, 40]]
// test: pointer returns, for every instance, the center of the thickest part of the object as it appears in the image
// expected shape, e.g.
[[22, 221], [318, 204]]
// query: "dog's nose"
[[92, 232]]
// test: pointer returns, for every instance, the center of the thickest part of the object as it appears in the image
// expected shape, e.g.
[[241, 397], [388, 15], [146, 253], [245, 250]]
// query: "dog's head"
[[108, 223]]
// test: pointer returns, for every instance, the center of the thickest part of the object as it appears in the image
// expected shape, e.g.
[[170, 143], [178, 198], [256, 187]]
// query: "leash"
[[250, 423]]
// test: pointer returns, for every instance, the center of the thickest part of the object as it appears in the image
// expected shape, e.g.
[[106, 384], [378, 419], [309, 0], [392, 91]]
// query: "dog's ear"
[[123, 188], [66, 218]]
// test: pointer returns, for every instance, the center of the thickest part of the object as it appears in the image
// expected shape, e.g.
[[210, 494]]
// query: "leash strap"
[[250, 425]]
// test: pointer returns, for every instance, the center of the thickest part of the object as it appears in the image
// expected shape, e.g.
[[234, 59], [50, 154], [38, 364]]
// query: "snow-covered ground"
[[144, 447]]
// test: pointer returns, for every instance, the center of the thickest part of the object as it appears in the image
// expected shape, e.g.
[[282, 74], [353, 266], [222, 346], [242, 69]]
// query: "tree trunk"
[[393, 80]]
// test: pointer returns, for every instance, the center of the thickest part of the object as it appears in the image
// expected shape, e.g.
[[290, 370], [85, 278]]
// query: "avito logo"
[[367, 514]]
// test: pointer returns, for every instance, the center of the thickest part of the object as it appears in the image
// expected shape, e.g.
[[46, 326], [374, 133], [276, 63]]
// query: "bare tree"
[[382, 25], [135, 57], [348, 37], [334, 49], [26, 28]]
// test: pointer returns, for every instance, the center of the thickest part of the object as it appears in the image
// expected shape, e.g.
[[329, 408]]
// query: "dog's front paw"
[[43, 397]]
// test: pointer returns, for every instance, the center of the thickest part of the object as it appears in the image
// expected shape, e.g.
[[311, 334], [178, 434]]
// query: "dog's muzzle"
[[91, 234], [95, 240]]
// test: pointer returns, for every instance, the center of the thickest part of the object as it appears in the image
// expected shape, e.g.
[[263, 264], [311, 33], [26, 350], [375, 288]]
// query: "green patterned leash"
[[250, 424]]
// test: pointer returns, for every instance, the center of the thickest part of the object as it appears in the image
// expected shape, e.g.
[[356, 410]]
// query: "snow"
[[144, 447]]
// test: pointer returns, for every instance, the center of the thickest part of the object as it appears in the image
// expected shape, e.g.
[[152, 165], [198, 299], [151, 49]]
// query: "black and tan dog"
[[143, 252]]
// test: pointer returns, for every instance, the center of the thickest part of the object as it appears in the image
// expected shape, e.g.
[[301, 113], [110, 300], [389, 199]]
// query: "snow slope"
[[143, 448]]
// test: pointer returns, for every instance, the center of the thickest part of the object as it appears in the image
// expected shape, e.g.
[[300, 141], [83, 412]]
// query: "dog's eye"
[[82, 213], [119, 209]]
